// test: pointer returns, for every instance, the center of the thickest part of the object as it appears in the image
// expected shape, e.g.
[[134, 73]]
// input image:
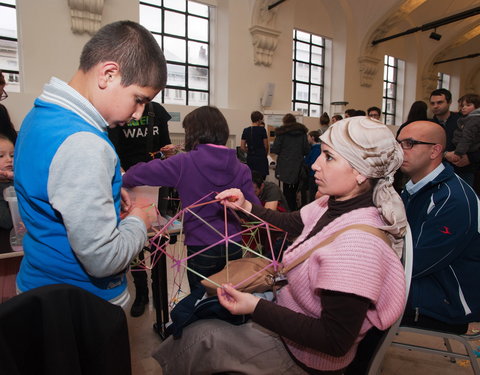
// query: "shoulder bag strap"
[[364, 227]]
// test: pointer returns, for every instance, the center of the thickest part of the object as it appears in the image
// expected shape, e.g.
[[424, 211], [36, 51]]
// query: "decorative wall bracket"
[[368, 69], [86, 15], [264, 40]]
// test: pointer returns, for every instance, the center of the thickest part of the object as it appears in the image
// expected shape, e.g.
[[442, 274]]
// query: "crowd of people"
[[83, 230]]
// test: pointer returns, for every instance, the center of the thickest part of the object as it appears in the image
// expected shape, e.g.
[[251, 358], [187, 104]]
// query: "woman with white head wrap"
[[371, 149], [344, 288]]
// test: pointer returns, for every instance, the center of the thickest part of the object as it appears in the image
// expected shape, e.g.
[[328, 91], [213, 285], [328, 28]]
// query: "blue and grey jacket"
[[444, 219], [67, 178]]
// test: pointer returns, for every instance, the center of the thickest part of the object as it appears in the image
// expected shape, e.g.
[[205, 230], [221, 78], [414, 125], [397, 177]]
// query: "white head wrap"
[[371, 149]]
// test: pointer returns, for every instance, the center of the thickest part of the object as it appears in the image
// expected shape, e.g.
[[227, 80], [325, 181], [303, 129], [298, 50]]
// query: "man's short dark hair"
[[205, 125], [258, 178], [133, 48], [375, 109], [444, 92], [351, 112], [256, 116]]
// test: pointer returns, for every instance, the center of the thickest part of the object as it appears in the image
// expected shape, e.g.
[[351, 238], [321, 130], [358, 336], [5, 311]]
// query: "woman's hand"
[[238, 303], [233, 198], [169, 150]]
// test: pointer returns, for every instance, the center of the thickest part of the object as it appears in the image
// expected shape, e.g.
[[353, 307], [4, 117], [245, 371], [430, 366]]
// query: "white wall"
[[50, 48]]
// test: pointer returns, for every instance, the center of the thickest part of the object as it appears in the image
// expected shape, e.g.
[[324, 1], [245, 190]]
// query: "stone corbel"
[[264, 42], [368, 69], [86, 15]]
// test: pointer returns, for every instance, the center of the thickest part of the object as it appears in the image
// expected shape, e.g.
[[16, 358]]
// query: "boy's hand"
[[126, 202], [148, 215]]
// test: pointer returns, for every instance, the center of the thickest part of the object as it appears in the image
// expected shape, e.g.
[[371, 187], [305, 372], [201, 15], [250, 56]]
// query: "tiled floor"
[[143, 340]]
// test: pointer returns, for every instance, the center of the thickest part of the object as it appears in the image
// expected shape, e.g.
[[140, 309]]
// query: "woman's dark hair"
[[289, 119], [324, 119], [315, 134], [256, 116], [205, 125], [337, 117], [418, 111]]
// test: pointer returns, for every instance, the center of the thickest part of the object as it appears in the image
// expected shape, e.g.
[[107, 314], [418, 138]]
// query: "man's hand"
[[452, 157], [463, 161]]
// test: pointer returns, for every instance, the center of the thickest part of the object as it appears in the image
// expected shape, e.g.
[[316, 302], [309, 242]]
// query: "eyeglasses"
[[3, 95], [408, 143]]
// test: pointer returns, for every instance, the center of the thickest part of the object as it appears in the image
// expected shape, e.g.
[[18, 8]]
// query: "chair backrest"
[[385, 342], [63, 329]]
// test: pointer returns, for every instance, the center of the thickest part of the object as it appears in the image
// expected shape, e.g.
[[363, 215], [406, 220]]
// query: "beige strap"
[[363, 227]]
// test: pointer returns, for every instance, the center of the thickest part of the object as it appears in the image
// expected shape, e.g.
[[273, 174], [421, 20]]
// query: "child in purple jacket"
[[207, 166]]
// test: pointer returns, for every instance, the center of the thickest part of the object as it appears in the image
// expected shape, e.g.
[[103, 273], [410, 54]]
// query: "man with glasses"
[[374, 113], [442, 211]]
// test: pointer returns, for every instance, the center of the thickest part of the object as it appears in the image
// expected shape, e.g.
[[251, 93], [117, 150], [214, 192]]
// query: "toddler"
[[466, 137], [6, 179]]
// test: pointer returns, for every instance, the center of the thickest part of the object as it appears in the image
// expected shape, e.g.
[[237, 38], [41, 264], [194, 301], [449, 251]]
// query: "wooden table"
[[9, 266]]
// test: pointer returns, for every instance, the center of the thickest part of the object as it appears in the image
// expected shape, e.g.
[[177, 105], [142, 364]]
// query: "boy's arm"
[[80, 190]]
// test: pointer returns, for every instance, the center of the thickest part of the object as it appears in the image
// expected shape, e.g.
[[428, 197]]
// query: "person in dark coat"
[[291, 145], [255, 144]]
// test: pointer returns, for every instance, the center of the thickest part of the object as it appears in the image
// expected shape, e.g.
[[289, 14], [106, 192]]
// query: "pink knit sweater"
[[356, 262]]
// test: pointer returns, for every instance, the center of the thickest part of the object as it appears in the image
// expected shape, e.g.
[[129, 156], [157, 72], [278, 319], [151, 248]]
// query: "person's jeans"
[[210, 261]]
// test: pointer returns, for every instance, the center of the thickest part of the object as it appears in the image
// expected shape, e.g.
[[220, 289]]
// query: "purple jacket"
[[206, 169]]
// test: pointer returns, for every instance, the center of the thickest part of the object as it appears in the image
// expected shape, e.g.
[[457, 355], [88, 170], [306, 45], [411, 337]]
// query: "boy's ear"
[[107, 72]]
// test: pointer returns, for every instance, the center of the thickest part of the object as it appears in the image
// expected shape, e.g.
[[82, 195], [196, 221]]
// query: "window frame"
[[390, 116], [12, 77], [295, 78], [186, 65]]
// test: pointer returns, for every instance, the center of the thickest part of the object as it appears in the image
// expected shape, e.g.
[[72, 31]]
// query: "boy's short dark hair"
[[444, 92], [205, 125], [471, 99], [257, 178], [133, 48], [256, 116]]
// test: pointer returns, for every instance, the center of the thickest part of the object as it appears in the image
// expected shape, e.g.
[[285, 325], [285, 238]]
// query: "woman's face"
[[335, 177]]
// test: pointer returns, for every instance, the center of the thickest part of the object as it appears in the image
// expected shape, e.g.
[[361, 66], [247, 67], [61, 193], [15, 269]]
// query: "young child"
[[67, 173], [6, 174], [208, 166], [466, 137]]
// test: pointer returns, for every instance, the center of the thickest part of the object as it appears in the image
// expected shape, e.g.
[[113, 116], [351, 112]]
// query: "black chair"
[[62, 329]]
